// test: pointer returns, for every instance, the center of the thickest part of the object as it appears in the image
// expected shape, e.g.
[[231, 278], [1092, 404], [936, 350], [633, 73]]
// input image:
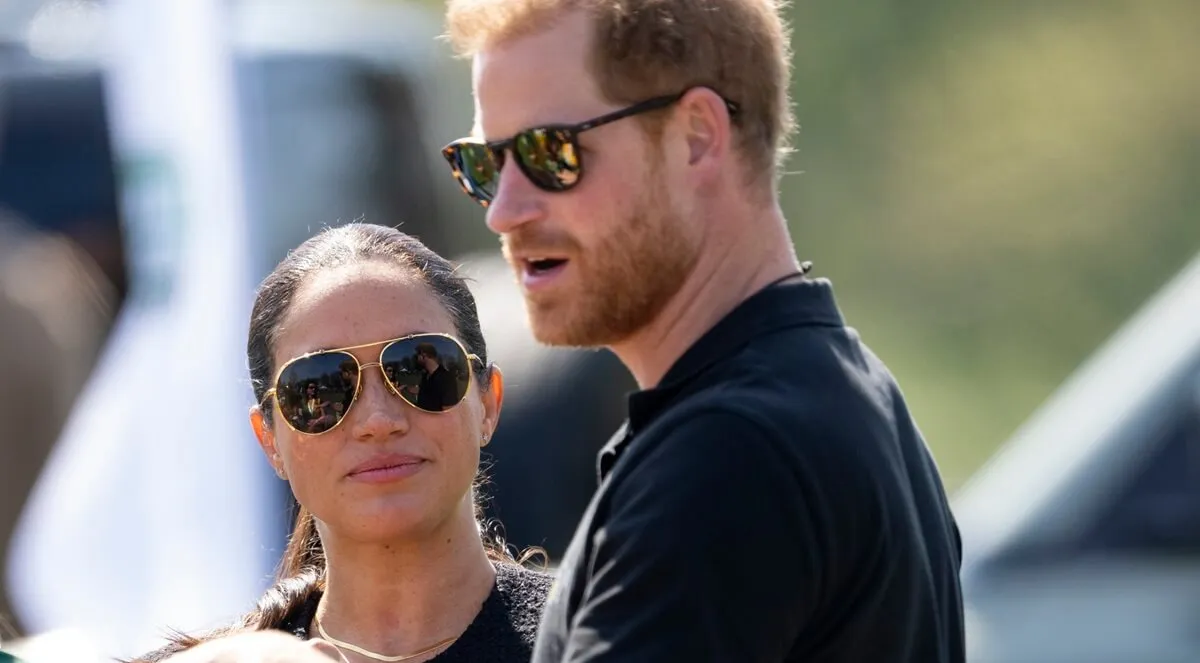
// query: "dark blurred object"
[[56, 160], [62, 271], [359, 152], [54, 309]]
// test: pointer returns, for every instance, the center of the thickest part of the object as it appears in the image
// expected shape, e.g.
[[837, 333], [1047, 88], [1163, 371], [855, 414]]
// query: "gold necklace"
[[380, 657]]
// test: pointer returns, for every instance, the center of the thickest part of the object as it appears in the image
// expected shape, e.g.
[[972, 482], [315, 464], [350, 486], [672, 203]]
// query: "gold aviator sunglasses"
[[314, 392]]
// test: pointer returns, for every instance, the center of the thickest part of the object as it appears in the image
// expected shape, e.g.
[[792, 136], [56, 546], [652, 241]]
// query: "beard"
[[620, 284]]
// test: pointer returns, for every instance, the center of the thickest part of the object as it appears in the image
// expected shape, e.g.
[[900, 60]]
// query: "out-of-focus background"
[[1006, 196]]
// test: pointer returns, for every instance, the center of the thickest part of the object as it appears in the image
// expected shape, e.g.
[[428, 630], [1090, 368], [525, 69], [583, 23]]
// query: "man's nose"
[[517, 201]]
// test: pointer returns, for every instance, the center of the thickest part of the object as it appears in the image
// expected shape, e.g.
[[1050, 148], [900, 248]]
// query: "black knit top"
[[503, 631]]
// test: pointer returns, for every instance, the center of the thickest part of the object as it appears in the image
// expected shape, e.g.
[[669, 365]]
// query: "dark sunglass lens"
[[548, 157], [315, 392], [431, 372], [476, 168]]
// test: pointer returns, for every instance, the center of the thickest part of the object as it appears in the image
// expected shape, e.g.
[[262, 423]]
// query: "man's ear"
[[707, 127], [493, 401], [266, 440]]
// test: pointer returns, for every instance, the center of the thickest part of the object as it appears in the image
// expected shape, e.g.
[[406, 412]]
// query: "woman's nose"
[[378, 413]]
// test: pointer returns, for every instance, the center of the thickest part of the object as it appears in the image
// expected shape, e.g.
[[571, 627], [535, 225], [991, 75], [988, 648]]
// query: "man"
[[438, 388], [769, 498]]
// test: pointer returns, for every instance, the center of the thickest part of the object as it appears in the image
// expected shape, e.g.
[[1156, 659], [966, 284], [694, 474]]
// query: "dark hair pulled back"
[[301, 571]]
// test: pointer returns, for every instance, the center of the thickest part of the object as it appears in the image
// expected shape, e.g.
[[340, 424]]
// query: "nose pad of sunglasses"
[[389, 384], [373, 364], [395, 388]]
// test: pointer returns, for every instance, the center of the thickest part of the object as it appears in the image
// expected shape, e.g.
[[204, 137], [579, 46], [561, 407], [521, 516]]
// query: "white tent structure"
[[154, 505]]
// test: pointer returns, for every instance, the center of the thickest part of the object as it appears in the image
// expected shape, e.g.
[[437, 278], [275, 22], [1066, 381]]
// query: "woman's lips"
[[387, 468]]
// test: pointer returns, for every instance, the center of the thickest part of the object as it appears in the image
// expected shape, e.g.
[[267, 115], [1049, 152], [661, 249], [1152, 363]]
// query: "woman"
[[387, 561]]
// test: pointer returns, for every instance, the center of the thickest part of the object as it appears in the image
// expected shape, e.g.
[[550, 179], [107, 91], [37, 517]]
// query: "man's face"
[[596, 263]]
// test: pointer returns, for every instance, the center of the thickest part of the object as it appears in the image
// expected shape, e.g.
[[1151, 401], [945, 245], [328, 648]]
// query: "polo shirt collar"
[[800, 303]]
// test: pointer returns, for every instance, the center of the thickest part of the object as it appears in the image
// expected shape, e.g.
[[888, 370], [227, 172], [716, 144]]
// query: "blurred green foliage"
[[993, 187]]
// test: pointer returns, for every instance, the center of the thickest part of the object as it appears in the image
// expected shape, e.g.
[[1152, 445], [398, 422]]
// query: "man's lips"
[[537, 274], [537, 264]]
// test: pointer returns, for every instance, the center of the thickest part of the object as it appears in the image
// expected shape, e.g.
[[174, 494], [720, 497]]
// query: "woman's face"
[[351, 306]]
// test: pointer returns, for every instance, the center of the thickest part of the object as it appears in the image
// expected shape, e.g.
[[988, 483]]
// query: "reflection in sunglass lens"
[[548, 157], [315, 392], [477, 169], [430, 372]]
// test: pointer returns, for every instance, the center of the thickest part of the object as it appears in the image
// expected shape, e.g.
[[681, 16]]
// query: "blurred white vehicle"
[[1082, 534]]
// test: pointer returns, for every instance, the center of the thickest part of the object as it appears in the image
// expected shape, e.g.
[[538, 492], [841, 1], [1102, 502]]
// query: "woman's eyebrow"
[[327, 348]]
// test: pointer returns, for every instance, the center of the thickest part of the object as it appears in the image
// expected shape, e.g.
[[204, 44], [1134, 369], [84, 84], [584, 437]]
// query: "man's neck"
[[403, 597], [731, 268]]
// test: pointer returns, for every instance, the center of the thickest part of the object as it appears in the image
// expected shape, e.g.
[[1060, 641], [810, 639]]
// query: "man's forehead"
[[517, 85], [503, 111]]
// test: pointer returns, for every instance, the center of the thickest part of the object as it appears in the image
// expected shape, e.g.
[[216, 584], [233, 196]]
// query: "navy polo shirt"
[[770, 500]]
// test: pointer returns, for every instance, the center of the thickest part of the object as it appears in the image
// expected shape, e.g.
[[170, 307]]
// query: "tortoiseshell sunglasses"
[[548, 156]]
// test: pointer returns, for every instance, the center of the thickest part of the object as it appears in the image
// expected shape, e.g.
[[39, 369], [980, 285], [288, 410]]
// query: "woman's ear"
[[493, 401], [266, 440]]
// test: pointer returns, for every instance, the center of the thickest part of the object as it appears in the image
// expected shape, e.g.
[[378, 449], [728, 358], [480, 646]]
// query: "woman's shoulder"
[[506, 627], [523, 583], [520, 596]]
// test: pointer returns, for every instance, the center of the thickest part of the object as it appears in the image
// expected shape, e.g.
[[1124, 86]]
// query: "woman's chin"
[[390, 521]]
